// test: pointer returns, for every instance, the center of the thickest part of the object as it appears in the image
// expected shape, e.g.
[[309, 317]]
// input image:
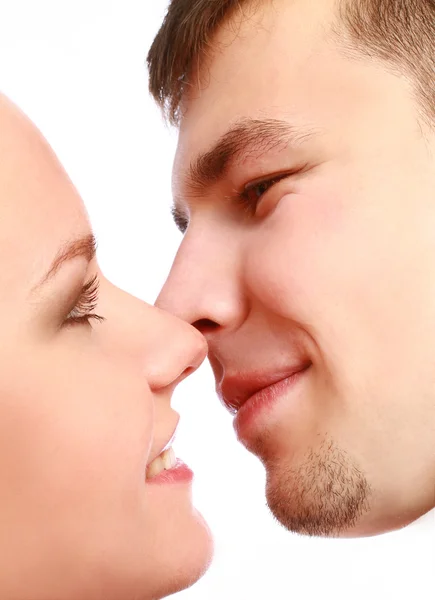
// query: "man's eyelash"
[[83, 311], [252, 193], [248, 198]]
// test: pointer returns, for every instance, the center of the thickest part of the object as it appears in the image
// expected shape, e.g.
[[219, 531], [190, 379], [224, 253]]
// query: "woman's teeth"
[[165, 461]]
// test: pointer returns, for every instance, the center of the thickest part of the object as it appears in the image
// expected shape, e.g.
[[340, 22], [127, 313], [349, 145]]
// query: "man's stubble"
[[325, 494]]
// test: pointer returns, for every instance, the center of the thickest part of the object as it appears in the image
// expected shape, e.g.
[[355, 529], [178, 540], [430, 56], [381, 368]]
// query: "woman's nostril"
[[187, 372], [184, 375], [205, 325]]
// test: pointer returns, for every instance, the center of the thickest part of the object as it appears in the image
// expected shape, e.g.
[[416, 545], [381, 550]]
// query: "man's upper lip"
[[235, 390]]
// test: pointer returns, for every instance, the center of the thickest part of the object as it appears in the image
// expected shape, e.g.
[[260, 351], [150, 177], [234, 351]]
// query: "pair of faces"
[[304, 182]]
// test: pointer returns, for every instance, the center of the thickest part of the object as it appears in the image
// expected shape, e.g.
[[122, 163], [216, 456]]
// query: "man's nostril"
[[205, 325]]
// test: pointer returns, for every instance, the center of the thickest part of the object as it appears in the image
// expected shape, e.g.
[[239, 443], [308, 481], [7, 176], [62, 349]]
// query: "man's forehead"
[[274, 31], [254, 72]]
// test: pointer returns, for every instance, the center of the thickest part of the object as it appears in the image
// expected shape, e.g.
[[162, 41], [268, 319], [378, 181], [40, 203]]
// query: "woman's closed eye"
[[83, 311]]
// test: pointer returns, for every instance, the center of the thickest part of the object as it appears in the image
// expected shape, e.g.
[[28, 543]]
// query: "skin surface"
[[84, 406], [332, 265]]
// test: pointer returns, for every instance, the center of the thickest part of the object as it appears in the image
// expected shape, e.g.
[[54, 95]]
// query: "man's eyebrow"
[[248, 138], [85, 246]]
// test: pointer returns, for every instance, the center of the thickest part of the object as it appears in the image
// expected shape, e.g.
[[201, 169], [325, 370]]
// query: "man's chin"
[[325, 494]]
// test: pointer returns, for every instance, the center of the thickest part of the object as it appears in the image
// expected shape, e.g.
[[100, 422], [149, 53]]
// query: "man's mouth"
[[249, 395], [234, 391]]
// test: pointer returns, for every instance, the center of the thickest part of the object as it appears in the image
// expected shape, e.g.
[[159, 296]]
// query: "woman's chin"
[[187, 558], [179, 540], [149, 560]]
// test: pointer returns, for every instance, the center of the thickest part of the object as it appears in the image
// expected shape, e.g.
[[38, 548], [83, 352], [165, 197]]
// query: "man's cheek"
[[292, 271]]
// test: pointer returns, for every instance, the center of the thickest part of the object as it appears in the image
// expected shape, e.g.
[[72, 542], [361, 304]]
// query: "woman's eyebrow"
[[85, 246]]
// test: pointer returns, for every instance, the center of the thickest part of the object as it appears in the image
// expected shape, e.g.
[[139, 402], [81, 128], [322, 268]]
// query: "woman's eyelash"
[[83, 311], [180, 220]]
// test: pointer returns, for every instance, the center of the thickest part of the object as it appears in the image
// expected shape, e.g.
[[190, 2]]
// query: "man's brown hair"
[[400, 33]]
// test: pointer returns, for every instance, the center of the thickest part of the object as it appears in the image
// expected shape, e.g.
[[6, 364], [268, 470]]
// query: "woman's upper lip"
[[235, 390], [170, 437]]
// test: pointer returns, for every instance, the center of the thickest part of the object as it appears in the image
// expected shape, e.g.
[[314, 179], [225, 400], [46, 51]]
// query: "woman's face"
[[84, 404]]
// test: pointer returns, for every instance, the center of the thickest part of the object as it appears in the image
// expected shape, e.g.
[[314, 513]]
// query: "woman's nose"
[[179, 350], [162, 347]]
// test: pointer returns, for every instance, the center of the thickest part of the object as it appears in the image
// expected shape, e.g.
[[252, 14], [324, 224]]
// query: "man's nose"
[[204, 286]]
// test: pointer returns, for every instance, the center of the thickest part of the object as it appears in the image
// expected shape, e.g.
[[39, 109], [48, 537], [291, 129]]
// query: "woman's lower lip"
[[181, 473], [261, 402]]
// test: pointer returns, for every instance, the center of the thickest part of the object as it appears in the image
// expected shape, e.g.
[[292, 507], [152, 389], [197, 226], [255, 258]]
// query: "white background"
[[77, 67]]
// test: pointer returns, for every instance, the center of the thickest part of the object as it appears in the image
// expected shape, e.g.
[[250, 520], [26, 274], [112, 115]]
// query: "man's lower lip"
[[181, 473], [263, 401]]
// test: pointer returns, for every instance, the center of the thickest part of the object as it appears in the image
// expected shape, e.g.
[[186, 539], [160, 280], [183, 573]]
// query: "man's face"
[[320, 278]]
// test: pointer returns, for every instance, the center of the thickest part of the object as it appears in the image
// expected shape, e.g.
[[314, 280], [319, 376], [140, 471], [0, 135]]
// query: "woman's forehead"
[[39, 207]]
